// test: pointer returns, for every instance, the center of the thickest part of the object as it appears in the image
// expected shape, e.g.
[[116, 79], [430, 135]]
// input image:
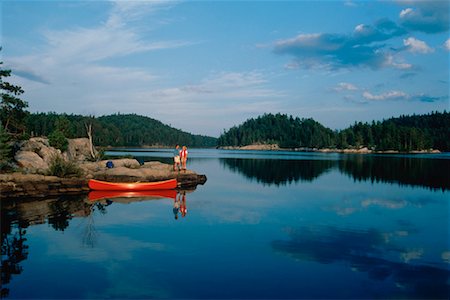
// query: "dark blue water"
[[265, 225]]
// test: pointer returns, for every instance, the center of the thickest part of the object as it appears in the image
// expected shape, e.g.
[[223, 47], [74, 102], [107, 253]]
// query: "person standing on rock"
[[176, 158], [183, 156]]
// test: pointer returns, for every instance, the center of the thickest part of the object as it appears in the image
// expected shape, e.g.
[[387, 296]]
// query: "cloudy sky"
[[204, 66]]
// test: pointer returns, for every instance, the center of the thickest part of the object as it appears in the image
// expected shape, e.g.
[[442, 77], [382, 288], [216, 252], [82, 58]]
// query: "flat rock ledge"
[[126, 170]]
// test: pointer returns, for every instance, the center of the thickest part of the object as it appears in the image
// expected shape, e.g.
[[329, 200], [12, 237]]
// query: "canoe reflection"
[[120, 196], [106, 198]]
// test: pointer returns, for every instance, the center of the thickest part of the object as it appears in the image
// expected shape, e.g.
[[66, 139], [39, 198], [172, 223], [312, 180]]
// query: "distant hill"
[[405, 133], [116, 130]]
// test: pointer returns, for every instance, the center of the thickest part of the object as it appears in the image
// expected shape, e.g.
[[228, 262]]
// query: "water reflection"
[[372, 252], [432, 173], [425, 172], [179, 205], [278, 172], [14, 251], [17, 215]]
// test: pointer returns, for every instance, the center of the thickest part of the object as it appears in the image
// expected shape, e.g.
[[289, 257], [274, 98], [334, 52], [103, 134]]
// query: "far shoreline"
[[275, 148], [363, 150]]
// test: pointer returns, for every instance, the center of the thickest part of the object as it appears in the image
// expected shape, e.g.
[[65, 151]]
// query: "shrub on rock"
[[62, 168]]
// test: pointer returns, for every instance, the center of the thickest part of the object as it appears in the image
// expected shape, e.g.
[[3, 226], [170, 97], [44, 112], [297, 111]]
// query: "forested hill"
[[286, 131], [115, 130], [406, 133]]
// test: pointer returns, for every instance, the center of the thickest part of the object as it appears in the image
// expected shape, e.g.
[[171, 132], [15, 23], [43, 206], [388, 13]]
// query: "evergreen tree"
[[12, 110], [5, 149]]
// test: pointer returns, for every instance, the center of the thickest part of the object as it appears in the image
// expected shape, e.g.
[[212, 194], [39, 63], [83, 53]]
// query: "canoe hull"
[[99, 185]]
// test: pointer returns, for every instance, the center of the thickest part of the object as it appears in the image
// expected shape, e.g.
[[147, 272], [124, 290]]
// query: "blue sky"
[[204, 66]]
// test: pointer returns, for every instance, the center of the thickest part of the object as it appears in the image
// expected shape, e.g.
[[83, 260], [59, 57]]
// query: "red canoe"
[[132, 186]]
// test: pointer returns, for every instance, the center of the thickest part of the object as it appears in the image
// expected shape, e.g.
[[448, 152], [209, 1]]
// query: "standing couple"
[[180, 157]]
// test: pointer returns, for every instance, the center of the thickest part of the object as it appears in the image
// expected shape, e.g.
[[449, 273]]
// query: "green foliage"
[[58, 140], [286, 131], [63, 125], [62, 168], [116, 130], [12, 109], [406, 133], [5, 149]]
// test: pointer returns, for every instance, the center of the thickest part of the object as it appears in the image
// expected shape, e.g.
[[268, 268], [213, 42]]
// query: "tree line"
[[114, 130], [405, 133]]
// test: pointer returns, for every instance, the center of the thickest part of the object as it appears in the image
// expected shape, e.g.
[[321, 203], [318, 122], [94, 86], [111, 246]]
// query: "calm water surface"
[[265, 225]]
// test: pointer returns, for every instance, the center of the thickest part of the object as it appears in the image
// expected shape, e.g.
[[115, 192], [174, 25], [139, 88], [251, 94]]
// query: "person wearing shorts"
[[176, 158]]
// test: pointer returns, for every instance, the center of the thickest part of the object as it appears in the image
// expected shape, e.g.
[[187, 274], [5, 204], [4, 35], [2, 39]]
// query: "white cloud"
[[447, 45], [406, 12], [95, 44], [417, 46], [402, 66], [344, 86], [363, 29], [391, 95], [395, 64], [350, 4], [224, 85]]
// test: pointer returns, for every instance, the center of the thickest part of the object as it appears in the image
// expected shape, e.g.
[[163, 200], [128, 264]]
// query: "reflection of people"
[[176, 206], [183, 156], [183, 208], [176, 158]]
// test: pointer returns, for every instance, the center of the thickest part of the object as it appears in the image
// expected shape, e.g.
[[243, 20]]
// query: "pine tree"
[[12, 110], [5, 149]]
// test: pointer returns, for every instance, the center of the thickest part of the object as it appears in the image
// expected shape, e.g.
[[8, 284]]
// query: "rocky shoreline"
[[34, 158], [363, 150]]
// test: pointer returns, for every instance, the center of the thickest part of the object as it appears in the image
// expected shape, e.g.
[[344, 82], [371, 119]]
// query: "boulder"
[[35, 154], [30, 160], [48, 153], [124, 162], [34, 144], [79, 149]]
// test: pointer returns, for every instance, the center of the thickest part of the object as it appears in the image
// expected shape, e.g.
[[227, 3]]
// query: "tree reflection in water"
[[14, 249], [90, 233], [278, 172], [19, 214], [404, 170]]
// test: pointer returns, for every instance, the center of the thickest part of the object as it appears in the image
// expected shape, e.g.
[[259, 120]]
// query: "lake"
[[265, 225]]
